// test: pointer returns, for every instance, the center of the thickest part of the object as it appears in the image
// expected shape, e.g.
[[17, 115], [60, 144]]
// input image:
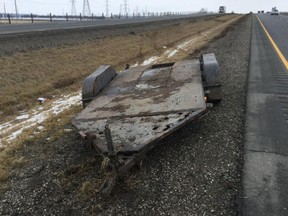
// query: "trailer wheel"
[[96, 82], [211, 77]]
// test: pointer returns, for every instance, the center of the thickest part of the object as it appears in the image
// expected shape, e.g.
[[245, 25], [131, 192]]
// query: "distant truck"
[[222, 9], [274, 11]]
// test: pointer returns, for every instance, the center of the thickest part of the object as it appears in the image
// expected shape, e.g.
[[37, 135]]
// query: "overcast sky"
[[98, 6]]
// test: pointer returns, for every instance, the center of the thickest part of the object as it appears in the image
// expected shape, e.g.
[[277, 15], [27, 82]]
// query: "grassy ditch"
[[26, 76]]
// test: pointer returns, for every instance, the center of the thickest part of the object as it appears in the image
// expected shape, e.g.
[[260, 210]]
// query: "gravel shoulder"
[[195, 171]]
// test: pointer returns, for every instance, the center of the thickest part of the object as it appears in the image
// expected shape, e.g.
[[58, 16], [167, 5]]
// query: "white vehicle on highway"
[[274, 11]]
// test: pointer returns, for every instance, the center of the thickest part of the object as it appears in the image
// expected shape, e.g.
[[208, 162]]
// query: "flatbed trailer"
[[128, 113]]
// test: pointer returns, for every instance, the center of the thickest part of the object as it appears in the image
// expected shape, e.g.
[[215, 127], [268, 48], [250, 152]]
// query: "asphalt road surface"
[[60, 25], [277, 26], [265, 175]]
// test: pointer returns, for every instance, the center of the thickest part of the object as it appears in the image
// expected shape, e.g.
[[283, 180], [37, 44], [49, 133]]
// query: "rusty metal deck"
[[144, 104]]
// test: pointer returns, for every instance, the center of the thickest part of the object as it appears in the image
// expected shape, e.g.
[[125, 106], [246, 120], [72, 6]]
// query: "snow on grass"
[[25, 116], [151, 60], [5, 125], [171, 54], [186, 44], [12, 129], [182, 46]]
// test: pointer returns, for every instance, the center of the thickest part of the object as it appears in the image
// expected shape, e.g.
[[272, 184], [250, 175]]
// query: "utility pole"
[[107, 8], [16, 9], [5, 13], [125, 8], [73, 8], [86, 8], [121, 9]]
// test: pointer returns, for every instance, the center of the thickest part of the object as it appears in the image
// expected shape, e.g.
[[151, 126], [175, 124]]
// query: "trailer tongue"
[[126, 114]]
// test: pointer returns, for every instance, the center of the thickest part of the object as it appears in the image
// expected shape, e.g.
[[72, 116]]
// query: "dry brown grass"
[[47, 72], [4, 174], [8, 155]]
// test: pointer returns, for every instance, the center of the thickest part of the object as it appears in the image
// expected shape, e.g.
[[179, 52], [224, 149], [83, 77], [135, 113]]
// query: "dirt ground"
[[194, 171]]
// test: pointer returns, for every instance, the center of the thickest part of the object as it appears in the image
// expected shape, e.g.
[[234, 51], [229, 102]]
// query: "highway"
[[60, 25], [265, 172], [277, 26]]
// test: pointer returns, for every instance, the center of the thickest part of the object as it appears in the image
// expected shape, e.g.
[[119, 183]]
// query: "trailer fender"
[[96, 82], [211, 77]]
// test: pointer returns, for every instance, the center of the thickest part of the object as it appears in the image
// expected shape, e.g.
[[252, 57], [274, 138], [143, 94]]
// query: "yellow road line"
[[283, 59]]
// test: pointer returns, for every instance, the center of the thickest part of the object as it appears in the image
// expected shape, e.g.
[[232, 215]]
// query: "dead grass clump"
[[18, 162], [89, 188], [65, 82], [73, 170], [4, 174], [9, 161]]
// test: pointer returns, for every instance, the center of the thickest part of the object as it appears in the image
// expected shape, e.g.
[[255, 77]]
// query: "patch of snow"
[[146, 86], [26, 116], [5, 125], [40, 128], [135, 65], [167, 52], [15, 128], [151, 60], [186, 43], [171, 54], [182, 46], [15, 134]]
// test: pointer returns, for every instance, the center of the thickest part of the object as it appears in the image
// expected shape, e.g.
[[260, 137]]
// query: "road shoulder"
[[265, 160]]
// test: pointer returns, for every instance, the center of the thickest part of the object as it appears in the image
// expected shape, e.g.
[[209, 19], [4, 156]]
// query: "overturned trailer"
[[126, 114]]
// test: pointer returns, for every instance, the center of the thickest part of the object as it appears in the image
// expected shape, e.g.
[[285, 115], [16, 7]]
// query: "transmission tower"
[[107, 8], [125, 8], [73, 8], [86, 8]]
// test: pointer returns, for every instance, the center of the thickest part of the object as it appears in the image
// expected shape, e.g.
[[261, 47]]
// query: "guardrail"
[[12, 18]]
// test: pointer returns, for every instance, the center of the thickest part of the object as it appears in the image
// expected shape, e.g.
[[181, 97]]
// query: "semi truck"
[[222, 9], [274, 11]]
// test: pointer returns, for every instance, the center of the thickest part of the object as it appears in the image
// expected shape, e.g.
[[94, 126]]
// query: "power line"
[[86, 8], [73, 8]]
